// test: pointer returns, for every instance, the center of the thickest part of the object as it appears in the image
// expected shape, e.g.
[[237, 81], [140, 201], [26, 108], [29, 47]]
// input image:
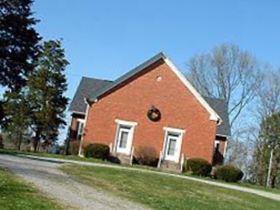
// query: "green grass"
[[44, 154], [259, 187], [241, 184], [161, 192], [16, 194], [77, 158]]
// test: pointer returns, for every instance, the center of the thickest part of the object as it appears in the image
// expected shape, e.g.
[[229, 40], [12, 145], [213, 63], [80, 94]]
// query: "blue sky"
[[105, 39]]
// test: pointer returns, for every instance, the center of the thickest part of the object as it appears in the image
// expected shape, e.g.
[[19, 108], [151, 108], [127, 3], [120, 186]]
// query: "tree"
[[270, 144], [46, 88], [18, 42], [267, 105], [1, 112], [18, 45], [17, 120], [228, 73], [268, 95]]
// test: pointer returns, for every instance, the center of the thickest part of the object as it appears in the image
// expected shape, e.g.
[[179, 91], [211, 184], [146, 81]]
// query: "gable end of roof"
[[213, 114], [98, 93]]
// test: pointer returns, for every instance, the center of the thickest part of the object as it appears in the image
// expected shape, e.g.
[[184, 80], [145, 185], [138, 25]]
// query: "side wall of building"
[[158, 87]]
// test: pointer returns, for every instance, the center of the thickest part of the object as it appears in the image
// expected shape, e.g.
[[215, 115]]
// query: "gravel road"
[[49, 179]]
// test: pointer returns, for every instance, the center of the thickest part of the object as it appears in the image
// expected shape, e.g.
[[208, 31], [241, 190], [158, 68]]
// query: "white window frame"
[[216, 143], [179, 139], [124, 126], [79, 131], [225, 145]]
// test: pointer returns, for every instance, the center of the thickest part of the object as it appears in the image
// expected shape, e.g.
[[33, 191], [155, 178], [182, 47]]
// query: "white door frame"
[[124, 126], [175, 131]]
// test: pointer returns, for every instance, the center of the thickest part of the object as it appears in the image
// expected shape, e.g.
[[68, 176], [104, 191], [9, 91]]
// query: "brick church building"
[[153, 106]]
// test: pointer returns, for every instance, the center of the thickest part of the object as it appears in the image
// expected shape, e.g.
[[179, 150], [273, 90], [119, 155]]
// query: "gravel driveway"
[[262, 193], [49, 179]]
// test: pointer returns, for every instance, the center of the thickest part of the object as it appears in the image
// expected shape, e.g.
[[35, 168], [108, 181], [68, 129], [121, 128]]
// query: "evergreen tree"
[[18, 46], [1, 112], [17, 118], [18, 42], [46, 88], [269, 140]]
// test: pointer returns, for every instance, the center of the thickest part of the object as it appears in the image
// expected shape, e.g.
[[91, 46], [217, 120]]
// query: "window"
[[172, 144], [80, 129], [124, 136], [217, 145]]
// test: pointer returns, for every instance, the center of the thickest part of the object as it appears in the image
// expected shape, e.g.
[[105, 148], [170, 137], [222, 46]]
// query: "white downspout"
[[225, 148], [82, 138]]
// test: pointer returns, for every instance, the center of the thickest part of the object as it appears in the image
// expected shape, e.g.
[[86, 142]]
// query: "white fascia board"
[[213, 115]]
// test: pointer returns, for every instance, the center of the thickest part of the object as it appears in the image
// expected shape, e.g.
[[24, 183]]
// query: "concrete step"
[[170, 166], [124, 159]]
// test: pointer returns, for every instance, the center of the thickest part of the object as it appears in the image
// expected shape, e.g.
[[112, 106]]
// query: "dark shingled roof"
[[86, 87], [219, 105], [95, 95]]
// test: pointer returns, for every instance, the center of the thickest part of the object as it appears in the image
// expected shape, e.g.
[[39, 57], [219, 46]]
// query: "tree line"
[[32, 76]]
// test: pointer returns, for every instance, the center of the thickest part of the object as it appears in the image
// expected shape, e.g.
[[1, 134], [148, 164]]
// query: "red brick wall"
[[179, 109]]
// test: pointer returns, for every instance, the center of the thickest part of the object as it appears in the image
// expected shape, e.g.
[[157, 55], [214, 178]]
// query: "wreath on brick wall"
[[154, 114]]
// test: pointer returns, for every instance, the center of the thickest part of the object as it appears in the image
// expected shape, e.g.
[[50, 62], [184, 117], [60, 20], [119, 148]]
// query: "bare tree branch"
[[228, 73]]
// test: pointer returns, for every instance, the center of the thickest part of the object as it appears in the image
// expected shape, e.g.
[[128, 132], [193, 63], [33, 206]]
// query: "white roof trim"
[[213, 115]]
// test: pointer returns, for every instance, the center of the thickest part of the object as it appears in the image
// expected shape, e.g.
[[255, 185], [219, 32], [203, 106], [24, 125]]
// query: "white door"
[[124, 140], [172, 147]]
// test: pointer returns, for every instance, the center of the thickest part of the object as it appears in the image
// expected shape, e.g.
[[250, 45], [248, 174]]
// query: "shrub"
[[99, 151], [228, 173], [113, 159], [146, 156], [198, 166]]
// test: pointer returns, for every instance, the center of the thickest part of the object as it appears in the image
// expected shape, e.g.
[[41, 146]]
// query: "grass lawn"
[[241, 184], [259, 187], [44, 154], [77, 158], [15, 194], [161, 192]]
